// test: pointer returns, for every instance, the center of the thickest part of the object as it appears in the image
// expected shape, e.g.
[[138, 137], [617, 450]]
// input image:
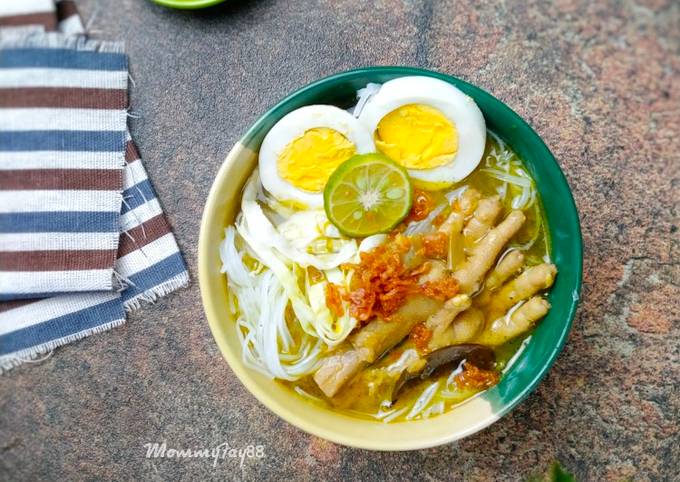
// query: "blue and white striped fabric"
[[83, 237], [61, 157], [149, 262], [31, 328]]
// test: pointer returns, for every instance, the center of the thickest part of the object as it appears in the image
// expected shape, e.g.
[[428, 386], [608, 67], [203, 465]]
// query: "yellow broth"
[[497, 157]]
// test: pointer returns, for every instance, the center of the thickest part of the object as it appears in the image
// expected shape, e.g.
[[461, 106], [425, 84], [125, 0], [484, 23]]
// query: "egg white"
[[458, 107], [294, 125]]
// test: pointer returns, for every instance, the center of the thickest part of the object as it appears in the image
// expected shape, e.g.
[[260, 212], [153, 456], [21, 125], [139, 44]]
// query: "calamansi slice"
[[367, 194]]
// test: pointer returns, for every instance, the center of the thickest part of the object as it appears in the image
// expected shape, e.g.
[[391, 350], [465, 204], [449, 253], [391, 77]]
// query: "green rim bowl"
[[473, 415], [188, 4]]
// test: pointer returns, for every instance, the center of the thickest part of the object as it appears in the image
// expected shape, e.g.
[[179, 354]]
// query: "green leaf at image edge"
[[557, 473]]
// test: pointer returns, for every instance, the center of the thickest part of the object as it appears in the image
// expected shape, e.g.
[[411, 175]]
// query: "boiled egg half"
[[428, 126], [301, 151]]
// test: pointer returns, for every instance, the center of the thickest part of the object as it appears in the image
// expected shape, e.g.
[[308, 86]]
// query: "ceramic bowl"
[[473, 415]]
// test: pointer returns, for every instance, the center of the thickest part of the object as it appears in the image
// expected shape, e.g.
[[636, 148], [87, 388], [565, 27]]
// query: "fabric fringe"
[[116, 283], [151, 295], [36, 37], [28, 355], [120, 282]]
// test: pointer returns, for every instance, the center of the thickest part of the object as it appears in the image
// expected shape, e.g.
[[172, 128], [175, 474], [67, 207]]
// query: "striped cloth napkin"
[[61, 15], [83, 237]]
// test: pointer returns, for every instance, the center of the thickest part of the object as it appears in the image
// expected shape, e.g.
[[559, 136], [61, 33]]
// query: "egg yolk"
[[308, 161], [417, 136]]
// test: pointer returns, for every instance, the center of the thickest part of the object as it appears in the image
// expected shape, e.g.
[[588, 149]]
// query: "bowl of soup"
[[390, 258]]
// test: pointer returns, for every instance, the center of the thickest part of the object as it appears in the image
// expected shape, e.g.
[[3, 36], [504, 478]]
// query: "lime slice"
[[367, 194]]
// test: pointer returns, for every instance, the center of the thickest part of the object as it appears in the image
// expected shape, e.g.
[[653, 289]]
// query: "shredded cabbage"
[[281, 255], [295, 234], [273, 250], [371, 242], [334, 331]]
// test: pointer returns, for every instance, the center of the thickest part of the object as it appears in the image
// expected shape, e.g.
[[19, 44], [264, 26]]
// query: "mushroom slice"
[[479, 355]]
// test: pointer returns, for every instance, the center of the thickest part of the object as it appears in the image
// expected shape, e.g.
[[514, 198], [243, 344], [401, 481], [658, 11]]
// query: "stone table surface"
[[599, 81]]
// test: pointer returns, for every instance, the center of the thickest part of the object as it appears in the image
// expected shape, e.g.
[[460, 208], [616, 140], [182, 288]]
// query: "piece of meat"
[[531, 281], [507, 267], [484, 254], [371, 341], [441, 320], [454, 222], [465, 327], [483, 219], [463, 207], [336, 369], [468, 201], [378, 336], [506, 328]]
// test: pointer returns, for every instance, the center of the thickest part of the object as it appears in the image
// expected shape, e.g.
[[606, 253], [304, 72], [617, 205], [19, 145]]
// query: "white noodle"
[[447, 392], [504, 176], [395, 414], [537, 233], [303, 393], [520, 202], [267, 343], [499, 141], [423, 401], [434, 409], [455, 194], [516, 355], [364, 95]]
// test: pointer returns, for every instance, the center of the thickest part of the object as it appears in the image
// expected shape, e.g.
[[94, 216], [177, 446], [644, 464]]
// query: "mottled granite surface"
[[600, 81]]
